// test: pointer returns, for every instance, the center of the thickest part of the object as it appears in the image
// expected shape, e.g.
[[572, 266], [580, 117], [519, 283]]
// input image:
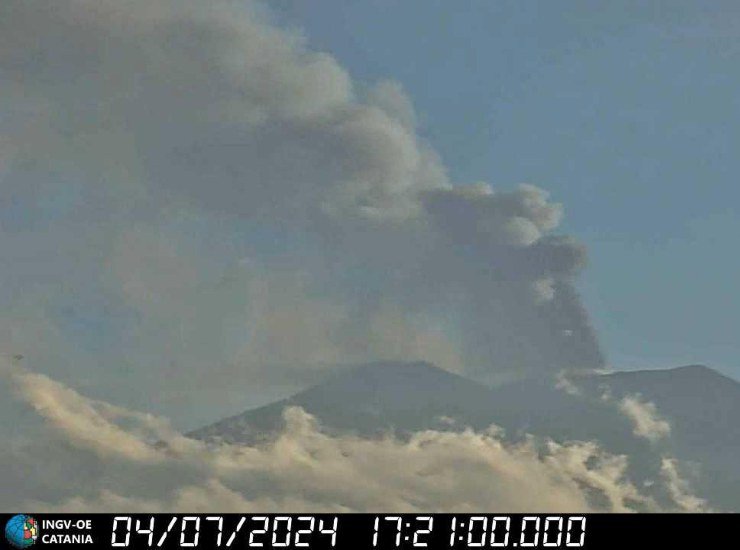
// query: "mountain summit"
[[700, 406], [370, 399]]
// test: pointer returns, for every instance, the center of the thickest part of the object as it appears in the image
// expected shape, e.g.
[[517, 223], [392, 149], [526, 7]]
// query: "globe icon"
[[21, 531]]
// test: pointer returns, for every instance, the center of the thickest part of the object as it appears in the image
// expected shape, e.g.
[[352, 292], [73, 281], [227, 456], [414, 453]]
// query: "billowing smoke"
[[193, 197]]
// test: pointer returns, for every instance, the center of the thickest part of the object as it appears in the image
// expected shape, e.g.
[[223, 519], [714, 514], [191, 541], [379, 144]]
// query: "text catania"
[[66, 539]]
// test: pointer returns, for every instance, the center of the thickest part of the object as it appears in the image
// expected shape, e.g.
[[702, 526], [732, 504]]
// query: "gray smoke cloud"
[[196, 206]]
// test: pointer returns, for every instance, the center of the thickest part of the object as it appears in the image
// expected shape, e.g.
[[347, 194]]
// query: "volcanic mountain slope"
[[370, 400], [701, 406]]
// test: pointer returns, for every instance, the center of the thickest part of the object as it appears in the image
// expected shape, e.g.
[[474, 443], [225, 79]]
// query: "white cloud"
[[679, 489], [134, 461], [644, 416], [108, 458]]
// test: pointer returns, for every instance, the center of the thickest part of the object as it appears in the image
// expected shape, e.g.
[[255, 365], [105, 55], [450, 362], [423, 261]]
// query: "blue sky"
[[200, 214], [627, 113], [187, 211]]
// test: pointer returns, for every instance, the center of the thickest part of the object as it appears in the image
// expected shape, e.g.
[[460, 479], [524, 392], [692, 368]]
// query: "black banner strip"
[[367, 531]]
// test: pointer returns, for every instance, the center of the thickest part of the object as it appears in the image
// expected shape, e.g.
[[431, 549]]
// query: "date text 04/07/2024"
[[399, 531]]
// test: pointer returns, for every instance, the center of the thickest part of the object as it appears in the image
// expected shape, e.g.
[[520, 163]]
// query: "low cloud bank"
[[93, 456]]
